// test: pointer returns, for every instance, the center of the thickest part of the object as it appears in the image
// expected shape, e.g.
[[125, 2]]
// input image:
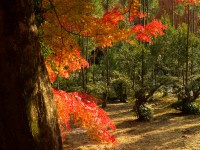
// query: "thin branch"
[[60, 21], [70, 32]]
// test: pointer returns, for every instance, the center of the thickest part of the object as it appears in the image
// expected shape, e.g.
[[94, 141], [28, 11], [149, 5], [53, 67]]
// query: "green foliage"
[[180, 9], [121, 85], [103, 5], [60, 83], [38, 12], [98, 89], [99, 11], [186, 107], [46, 51], [191, 108], [153, 8], [186, 103], [143, 112]]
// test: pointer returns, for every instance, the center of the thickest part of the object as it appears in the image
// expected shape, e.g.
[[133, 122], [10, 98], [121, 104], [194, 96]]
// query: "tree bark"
[[104, 103], [173, 12], [187, 45], [28, 117], [81, 44], [105, 99]]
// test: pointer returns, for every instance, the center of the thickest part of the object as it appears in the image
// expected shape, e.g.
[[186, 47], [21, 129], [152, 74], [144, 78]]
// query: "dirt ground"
[[169, 130]]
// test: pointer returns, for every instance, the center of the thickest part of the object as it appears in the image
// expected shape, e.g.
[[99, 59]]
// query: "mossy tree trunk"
[[28, 118]]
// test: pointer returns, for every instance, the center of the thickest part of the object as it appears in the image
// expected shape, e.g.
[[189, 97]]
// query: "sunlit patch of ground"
[[169, 130]]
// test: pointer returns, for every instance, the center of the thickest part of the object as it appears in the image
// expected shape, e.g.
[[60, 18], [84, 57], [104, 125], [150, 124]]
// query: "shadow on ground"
[[169, 130]]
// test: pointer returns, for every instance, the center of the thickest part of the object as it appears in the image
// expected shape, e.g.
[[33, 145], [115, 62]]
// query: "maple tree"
[[85, 113], [74, 24], [66, 22]]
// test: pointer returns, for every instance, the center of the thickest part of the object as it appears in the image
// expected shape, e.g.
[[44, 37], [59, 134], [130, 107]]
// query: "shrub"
[[186, 107], [143, 112]]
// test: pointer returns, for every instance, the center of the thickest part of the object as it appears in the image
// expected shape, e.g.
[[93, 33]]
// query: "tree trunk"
[[143, 53], [81, 44], [187, 45], [173, 12], [104, 103], [193, 31], [86, 57], [28, 117], [133, 77], [93, 73]]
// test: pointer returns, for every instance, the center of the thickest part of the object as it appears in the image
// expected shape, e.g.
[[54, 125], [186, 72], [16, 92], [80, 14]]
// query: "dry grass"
[[168, 130]]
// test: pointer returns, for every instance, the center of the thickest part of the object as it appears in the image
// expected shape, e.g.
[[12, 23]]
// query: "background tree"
[[188, 93]]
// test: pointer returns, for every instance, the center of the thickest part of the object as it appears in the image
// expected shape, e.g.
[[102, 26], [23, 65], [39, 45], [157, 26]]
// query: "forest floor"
[[169, 130]]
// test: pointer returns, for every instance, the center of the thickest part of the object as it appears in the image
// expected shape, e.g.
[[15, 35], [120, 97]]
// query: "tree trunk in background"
[[173, 12], [193, 31], [86, 57], [81, 44], [133, 77], [28, 118], [187, 46], [105, 97], [143, 55], [93, 73], [183, 74]]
